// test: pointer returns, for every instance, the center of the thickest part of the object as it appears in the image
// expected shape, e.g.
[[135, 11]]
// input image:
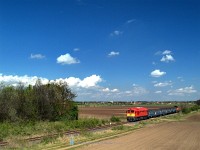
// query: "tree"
[[198, 102], [8, 104], [52, 101]]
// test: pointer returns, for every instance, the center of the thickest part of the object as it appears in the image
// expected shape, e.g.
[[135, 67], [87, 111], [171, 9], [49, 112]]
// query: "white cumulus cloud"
[[130, 21], [109, 90], [87, 82], [26, 80], [106, 90], [158, 92], [128, 92], [37, 56], [115, 90], [182, 91], [72, 81], [180, 79], [76, 49], [113, 53], [157, 73], [163, 84], [67, 59], [166, 52], [91, 81], [138, 90], [116, 33], [167, 58]]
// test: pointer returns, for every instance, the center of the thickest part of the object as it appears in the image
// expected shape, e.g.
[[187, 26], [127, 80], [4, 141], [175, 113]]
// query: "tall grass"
[[9, 130], [115, 119]]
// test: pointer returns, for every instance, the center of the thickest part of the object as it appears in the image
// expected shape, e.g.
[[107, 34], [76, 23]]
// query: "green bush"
[[52, 102], [84, 123], [186, 110], [115, 119], [195, 108], [103, 121]]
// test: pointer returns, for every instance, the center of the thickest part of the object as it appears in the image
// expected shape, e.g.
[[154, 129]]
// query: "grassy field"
[[17, 131]]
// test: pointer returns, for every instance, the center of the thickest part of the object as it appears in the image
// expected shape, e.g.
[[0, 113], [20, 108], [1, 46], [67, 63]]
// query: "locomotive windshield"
[[130, 111]]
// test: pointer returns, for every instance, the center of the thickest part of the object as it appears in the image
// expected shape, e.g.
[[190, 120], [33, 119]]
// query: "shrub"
[[104, 121], [198, 102], [52, 102], [195, 108], [115, 119], [186, 110]]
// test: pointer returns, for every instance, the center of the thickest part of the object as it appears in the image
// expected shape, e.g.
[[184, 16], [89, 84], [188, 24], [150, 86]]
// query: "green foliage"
[[84, 123], [121, 127], [195, 107], [198, 102], [104, 121], [187, 110], [14, 129], [47, 139], [115, 119], [53, 101]]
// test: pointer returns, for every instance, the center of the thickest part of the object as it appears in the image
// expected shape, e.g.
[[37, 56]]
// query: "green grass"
[[115, 119], [121, 127], [11, 130]]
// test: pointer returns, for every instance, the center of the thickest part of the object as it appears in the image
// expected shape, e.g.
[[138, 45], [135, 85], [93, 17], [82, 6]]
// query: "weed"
[[10, 130], [47, 140], [115, 119], [121, 127]]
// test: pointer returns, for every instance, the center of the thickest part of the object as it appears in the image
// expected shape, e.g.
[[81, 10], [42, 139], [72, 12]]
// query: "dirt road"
[[183, 135]]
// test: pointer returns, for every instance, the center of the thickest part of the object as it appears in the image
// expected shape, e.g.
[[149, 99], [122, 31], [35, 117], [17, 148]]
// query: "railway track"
[[67, 133], [3, 143]]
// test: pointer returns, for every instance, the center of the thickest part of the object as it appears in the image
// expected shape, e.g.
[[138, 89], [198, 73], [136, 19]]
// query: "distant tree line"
[[52, 101]]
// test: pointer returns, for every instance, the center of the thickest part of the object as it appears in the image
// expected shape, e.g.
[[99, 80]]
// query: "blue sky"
[[126, 50]]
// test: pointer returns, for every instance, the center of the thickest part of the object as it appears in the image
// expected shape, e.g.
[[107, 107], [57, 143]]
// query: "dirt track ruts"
[[184, 135]]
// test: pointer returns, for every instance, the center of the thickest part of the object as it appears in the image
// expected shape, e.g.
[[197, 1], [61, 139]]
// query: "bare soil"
[[194, 118], [184, 135]]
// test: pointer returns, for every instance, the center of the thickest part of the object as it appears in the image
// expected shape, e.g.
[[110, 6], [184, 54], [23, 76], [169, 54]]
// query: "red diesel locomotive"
[[137, 113]]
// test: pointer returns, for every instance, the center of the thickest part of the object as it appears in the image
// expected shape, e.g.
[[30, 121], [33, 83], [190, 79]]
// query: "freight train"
[[140, 113]]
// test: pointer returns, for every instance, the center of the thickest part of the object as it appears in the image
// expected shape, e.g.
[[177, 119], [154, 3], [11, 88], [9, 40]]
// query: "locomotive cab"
[[130, 114], [136, 113]]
